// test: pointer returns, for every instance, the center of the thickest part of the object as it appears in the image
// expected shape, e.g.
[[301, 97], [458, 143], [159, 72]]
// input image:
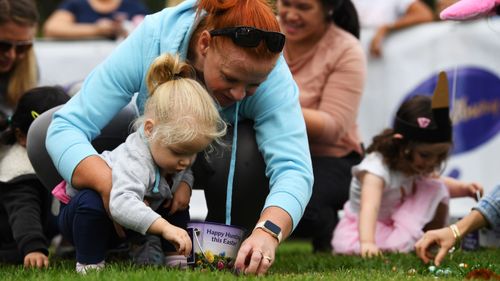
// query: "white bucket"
[[215, 245]]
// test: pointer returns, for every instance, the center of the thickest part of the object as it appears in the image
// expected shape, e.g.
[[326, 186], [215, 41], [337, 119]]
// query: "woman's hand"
[[442, 238], [104, 27], [369, 250], [257, 253], [180, 200], [36, 260]]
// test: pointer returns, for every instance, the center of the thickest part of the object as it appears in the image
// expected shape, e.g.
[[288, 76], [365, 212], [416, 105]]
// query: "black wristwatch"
[[271, 228]]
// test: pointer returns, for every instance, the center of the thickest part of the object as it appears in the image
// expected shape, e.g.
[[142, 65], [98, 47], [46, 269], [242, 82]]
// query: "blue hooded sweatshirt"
[[274, 108]]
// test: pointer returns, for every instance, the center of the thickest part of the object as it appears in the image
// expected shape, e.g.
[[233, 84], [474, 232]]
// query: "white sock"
[[83, 268], [176, 261]]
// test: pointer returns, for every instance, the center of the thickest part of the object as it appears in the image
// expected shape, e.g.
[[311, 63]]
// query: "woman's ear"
[[149, 125], [204, 43]]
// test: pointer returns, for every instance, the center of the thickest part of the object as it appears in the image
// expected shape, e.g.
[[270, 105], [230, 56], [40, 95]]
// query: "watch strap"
[[276, 233]]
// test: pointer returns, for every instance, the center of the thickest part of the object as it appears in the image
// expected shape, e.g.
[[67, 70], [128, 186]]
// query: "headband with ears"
[[442, 132]]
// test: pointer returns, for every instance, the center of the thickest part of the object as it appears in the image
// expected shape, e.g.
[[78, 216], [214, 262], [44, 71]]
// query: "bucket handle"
[[196, 232]]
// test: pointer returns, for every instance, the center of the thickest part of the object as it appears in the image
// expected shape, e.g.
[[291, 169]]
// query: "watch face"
[[271, 226]]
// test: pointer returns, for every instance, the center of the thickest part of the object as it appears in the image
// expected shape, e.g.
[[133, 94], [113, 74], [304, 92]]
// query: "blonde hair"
[[182, 109], [171, 3], [23, 77]]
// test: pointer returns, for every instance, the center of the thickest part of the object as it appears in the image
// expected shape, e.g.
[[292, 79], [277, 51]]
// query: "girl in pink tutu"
[[396, 191]]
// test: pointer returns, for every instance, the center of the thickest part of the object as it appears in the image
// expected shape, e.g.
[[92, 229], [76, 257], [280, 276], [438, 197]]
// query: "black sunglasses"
[[250, 37], [20, 47]]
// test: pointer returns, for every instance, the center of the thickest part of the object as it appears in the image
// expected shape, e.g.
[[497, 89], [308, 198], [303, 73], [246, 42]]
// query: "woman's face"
[[301, 19], [11, 32], [230, 74]]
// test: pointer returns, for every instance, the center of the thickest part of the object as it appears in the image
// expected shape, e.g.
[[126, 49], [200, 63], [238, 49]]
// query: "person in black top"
[[26, 223]]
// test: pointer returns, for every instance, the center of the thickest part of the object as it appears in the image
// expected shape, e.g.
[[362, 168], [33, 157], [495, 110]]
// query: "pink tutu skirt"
[[400, 233]]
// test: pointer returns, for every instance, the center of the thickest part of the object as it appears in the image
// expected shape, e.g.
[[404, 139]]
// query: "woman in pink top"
[[327, 62]]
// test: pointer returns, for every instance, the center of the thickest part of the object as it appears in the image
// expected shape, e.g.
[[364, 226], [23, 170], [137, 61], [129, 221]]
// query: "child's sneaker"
[[176, 261], [85, 268], [148, 251]]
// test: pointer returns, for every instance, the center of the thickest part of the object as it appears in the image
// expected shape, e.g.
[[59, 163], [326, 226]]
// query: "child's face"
[[175, 158], [425, 158]]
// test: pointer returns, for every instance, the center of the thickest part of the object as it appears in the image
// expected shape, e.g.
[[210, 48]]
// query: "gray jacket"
[[137, 177]]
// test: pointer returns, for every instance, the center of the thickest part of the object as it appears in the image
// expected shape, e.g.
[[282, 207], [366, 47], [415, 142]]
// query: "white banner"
[[67, 62], [470, 53]]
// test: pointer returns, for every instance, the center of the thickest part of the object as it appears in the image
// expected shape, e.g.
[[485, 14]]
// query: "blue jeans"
[[85, 223], [489, 207]]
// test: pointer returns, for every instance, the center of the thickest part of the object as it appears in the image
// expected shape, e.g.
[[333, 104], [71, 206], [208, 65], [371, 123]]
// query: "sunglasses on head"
[[20, 47], [250, 37]]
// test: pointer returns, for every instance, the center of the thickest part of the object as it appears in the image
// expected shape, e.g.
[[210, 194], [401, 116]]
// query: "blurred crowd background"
[[46, 7]]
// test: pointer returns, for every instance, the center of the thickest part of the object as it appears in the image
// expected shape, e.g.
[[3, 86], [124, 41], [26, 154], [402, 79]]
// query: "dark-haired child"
[[487, 211], [25, 224], [396, 191]]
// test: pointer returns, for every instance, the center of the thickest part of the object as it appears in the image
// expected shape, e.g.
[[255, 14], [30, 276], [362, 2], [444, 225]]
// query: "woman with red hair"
[[235, 48]]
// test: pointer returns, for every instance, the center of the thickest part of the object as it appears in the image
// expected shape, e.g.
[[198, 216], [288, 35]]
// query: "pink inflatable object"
[[469, 9]]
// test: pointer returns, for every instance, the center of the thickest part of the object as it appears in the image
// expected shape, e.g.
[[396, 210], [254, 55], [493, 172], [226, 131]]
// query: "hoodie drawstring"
[[232, 167]]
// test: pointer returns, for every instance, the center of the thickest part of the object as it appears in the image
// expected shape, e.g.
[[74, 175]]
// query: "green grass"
[[294, 261]]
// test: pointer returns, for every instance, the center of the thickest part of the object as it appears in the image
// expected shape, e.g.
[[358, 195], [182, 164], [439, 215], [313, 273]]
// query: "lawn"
[[294, 261]]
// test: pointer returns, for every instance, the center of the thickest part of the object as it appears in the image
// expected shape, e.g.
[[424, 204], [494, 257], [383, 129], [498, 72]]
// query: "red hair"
[[232, 13]]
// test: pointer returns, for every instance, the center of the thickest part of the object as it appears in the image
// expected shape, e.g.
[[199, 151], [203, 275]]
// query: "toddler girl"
[[396, 191], [151, 179]]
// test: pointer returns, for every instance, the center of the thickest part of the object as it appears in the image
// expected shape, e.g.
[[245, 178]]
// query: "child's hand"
[[180, 200], [472, 188], [369, 249], [459, 188], [179, 238], [36, 260]]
